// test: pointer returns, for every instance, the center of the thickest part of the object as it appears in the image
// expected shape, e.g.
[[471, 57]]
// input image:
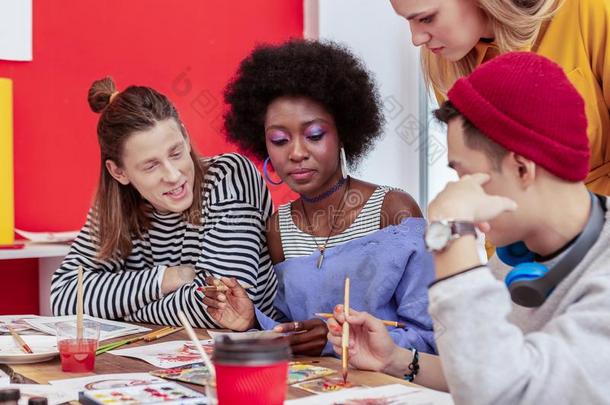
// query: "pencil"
[[115, 345], [163, 333], [79, 304], [345, 337], [24, 346], [197, 343], [221, 288], [386, 323]]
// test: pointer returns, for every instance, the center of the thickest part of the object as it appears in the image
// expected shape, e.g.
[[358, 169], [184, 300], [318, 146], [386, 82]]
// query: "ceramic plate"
[[44, 348]]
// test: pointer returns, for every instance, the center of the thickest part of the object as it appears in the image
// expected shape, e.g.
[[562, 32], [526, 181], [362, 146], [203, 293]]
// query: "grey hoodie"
[[496, 352]]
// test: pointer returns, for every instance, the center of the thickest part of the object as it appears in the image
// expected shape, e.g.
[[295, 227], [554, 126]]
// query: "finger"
[[332, 325], [235, 287], [338, 314], [483, 227], [211, 280], [213, 303], [367, 320], [337, 348], [504, 203], [214, 294], [313, 345], [313, 323], [356, 317], [289, 327], [334, 339], [298, 338]]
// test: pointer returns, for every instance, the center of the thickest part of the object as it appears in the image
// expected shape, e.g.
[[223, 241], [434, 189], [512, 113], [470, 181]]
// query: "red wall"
[[187, 49]]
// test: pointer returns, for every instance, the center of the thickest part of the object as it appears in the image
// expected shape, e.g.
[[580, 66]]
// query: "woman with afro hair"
[[308, 110]]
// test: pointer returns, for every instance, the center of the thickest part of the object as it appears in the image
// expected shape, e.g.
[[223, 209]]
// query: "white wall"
[[382, 39]]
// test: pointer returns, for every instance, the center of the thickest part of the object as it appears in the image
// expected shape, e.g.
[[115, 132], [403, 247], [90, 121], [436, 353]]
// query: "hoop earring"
[[343, 162], [266, 174]]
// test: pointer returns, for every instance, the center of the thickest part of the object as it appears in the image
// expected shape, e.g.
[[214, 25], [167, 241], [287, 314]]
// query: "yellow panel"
[[7, 201]]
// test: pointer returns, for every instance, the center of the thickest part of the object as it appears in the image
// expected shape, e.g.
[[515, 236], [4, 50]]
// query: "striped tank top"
[[296, 243]]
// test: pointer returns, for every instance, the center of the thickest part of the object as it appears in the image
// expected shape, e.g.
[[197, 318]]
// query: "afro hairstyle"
[[324, 72]]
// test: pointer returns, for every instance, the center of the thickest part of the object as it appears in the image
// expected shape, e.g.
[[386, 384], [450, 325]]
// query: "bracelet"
[[413, 366]]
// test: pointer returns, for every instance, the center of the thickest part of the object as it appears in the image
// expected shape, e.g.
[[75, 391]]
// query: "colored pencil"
[[163, 333], [155, 334], [386, 323], [345, 337], [24, 346]]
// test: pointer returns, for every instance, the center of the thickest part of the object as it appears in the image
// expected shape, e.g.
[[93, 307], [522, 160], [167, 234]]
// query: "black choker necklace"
[[325, 194]]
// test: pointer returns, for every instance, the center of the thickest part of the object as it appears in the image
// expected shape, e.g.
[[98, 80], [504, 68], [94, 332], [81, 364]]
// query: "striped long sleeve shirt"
[[229, 242]]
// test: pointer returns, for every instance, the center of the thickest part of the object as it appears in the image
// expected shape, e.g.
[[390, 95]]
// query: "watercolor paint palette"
[[192, 373], [299, 372], [326, 384], [166, 393]]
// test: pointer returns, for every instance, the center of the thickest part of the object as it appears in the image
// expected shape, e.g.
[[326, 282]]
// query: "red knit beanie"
[[525, 102]]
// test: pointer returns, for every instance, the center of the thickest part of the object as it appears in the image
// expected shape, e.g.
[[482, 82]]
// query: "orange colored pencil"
[[24, 346]]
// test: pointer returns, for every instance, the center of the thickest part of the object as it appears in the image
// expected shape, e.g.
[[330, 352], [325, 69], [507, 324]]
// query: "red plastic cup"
[[77, 355], [251, 371]]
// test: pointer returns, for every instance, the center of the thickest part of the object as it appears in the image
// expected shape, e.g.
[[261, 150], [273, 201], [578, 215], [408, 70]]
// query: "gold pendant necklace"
[[322, 248]]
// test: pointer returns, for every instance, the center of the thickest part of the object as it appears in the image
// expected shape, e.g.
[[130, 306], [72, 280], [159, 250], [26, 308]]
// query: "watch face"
[[438, 235]]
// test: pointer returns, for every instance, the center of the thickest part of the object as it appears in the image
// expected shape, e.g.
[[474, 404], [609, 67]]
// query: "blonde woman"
[[456, 36]]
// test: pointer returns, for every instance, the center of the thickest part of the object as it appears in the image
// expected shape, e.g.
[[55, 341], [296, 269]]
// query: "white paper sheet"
[[48, 237], [394, 394], [167, 354], [17, 322], [105, 381], [16, 30], [108, 329]]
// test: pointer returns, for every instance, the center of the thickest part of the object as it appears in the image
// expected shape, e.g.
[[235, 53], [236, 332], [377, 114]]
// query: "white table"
[[50, 256]]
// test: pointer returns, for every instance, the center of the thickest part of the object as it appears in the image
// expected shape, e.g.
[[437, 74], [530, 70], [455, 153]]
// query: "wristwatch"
[[439, 234]]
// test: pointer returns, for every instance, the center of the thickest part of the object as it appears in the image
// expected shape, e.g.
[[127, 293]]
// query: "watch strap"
[[461, 228]]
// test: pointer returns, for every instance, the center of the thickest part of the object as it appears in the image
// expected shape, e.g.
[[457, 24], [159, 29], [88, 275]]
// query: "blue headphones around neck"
[[529, 282]]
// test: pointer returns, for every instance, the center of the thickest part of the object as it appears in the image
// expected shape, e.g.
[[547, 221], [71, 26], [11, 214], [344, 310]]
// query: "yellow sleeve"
[[595, 31]]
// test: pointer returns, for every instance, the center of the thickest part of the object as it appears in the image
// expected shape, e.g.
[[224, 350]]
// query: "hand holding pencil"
[[370, 346], [228, 303], [395, 324]]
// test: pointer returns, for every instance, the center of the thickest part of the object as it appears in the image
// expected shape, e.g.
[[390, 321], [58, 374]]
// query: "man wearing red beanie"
[[533, 325]]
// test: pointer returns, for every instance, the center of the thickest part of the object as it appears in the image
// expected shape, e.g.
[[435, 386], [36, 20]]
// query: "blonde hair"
[[516, 25]]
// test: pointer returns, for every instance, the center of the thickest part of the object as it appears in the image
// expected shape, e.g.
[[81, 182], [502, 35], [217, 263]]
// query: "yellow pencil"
[[163, 333], [386, 323]]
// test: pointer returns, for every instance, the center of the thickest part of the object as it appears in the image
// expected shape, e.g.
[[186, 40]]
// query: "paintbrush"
[[24, 346], [79, 304], [345, 336]]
